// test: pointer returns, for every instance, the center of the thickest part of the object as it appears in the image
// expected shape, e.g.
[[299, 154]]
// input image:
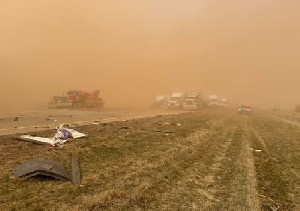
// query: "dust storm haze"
[[134, 50]]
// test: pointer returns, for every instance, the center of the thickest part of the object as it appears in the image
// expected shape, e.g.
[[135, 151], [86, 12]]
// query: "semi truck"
[[213, 100], [59, 102], [177, 100], [193, 101], [223, 102], [161, 101], [77, 99]]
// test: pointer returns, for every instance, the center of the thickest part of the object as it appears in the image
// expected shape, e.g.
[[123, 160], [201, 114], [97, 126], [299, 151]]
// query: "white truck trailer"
[[193, 101], [177, 100], [213, 100], [224, 102], [161, 101]]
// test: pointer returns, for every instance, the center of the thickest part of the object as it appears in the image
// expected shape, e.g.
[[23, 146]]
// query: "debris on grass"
[[50, 118], [35, 140], [41, 167], [96, 122], [62, 135], [76, 176], [255, 150], [270, 203]]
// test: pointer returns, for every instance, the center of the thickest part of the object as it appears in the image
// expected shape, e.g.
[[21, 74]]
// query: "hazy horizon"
[[134, 50]]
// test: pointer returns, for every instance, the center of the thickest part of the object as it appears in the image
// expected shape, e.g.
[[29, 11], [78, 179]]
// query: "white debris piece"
[[38, 139], [76, 134], [60, 137]]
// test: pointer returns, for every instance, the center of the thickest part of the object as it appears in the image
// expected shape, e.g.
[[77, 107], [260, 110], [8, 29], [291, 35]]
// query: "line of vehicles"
[[189, 101], [178, 100]]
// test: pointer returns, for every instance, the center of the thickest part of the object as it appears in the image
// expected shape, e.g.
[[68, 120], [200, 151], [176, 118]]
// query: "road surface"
[[42, 120]]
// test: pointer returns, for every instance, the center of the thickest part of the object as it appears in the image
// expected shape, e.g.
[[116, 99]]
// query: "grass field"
[[207, 160]]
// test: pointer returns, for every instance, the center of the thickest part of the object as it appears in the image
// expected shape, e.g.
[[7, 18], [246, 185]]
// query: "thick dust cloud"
[[134, 50]]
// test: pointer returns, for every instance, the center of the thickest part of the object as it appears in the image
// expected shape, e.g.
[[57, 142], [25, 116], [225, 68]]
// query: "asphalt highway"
[[48, 119]]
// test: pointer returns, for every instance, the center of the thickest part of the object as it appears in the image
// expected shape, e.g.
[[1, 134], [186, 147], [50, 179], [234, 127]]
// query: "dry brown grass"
[[203, 164]]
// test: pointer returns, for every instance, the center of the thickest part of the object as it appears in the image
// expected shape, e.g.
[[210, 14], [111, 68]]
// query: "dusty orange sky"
[[134, 50]]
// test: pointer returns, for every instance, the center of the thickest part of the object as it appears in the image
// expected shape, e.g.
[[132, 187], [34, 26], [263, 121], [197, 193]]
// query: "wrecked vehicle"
[[83, 99], [177, 100], [213, 100], [161, 101], [59, 102], [245, 109], [223, 102], [77, 99], [193, 101]]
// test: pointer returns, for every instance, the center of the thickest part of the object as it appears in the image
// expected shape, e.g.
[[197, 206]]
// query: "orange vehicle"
[[77, 99], [83, 99]]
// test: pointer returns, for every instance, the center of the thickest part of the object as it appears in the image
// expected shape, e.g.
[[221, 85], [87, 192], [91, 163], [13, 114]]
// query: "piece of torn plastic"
[[61, 136], [37, 140], [41, 167]]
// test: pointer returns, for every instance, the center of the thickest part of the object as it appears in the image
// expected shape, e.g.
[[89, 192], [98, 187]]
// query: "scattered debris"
[[76, 176], [162, 131], [50, 118], [16, 119], [62, 135], [273, 207], [36, 140], [41, 167], [97, 122], [255, 150], [271, 204], [41, 127], [24, 115]]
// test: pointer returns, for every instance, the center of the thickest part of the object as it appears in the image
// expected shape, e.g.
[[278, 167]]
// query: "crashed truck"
[[223, 102], [213, 101], [161, 101], [194, 101], [58, 102], [77, 99], [177, 100]]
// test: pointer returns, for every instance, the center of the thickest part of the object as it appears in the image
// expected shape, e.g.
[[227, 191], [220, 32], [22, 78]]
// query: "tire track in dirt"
[[278, 178], [262, 143], [166, 163], [196, 190], [162, 177], [253, 201], [237, 182]]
